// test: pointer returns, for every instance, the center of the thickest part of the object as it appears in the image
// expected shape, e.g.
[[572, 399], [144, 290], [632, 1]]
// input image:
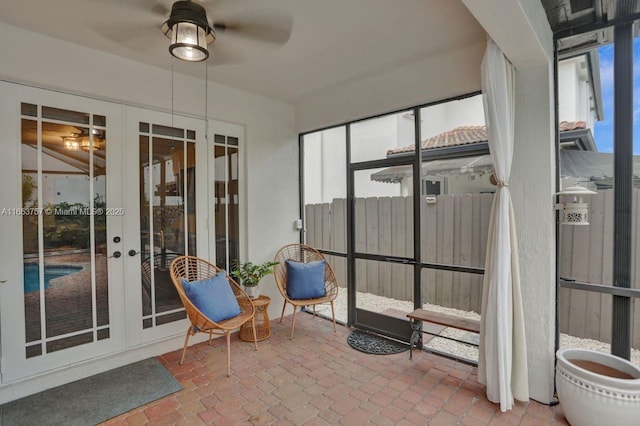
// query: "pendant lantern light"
[[189, 31]]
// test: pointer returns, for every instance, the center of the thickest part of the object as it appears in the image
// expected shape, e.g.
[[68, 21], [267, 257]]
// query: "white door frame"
[[14, 364], [136, 335]]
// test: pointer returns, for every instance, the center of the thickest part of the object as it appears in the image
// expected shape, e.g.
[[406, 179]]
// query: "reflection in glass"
[[64, 200], [30, 231], [99, 196], [65, 115], [145, 224], [68, 342], [220, 215], [233, 198], [167, 216], [226, 200], [67, 234], [168, 221]]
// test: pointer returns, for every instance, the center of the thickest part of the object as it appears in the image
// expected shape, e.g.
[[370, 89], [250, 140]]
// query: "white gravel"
[[375, 303]]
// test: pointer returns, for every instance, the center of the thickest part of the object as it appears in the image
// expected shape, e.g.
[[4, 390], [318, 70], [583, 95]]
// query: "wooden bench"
[[420, 315]]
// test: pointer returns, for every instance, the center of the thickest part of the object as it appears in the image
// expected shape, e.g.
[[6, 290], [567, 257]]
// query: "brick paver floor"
[[317, 379]]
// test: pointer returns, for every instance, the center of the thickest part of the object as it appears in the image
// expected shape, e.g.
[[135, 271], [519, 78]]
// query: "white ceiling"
[[332, 42]]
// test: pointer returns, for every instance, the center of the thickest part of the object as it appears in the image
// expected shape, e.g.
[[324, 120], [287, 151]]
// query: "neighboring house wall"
[[575, 94], [447, 116], [371, 139]]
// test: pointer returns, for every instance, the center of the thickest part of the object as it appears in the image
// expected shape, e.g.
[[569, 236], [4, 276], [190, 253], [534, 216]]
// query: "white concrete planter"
[[590, 395], [253, 292]]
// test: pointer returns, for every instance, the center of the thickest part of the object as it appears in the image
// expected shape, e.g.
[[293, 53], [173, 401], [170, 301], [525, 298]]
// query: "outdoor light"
[[189, 31], [86, 144], [70, 144], [576, 211]]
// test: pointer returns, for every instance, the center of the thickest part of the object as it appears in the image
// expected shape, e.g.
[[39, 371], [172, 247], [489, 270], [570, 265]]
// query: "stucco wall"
[[438, 77], [532, 186]]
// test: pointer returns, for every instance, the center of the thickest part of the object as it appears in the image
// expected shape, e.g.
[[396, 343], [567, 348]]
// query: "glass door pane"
[[226, 200], [167, 215], [65, 264], [166, 174]]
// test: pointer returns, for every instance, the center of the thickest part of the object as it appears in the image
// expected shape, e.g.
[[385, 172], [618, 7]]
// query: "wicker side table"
[[263, 326]]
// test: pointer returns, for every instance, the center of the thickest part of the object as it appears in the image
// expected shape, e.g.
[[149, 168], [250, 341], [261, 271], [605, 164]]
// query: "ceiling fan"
[[239, 27], [243, 29]]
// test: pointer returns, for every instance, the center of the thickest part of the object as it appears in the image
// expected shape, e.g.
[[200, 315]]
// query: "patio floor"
[[317, 378]]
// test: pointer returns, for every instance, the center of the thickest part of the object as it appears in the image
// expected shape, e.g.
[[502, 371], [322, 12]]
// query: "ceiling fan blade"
[[263, 26], [139, 38], [223, 55], [161, 9], [157, 7], [257, 32]]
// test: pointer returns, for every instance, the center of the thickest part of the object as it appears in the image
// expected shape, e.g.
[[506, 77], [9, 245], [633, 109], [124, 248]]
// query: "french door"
[[97, 200], [166, 216], [61, 291]]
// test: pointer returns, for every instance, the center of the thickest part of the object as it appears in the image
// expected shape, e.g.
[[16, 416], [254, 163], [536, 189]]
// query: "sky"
[[603, 130]]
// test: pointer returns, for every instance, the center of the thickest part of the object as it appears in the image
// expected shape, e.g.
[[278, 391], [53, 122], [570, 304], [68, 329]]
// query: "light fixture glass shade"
[[70, 144], [188, 42]]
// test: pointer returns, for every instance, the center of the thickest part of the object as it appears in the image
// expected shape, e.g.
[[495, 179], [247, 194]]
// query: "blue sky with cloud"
[[603, 130]]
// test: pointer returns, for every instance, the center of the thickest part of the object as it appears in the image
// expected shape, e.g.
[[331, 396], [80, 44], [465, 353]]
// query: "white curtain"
[[502, 364]]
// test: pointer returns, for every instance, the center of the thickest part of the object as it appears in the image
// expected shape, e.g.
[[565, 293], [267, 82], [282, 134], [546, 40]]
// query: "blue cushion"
[[305, 280], [213, 296]]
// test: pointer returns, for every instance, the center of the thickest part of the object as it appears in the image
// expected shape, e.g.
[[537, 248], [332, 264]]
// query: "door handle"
[[116, 254], [133, 252]]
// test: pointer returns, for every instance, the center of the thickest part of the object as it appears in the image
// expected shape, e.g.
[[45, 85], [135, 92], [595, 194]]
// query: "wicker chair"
[[303, 253], [195, 269]]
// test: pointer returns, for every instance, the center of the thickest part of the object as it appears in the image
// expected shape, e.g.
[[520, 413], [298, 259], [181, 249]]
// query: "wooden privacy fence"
[[586, 255], [454, 232]]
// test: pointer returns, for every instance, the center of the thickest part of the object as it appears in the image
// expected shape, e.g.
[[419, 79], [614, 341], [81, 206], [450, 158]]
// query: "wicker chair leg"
[[210, 337], [186, 342], [333, 314], [293, 323], [255, 335], [314, 311], [228, 353], [282, 315]]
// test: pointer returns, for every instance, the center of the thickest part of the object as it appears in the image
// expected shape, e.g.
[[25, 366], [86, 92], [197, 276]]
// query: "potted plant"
[[250, 274]]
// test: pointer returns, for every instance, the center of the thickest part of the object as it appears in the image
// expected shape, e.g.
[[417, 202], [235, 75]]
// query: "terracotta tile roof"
[[463, 135], [572, 125]]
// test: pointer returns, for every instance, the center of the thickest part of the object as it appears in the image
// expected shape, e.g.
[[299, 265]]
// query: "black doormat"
[[94, 399], [374, 344]]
